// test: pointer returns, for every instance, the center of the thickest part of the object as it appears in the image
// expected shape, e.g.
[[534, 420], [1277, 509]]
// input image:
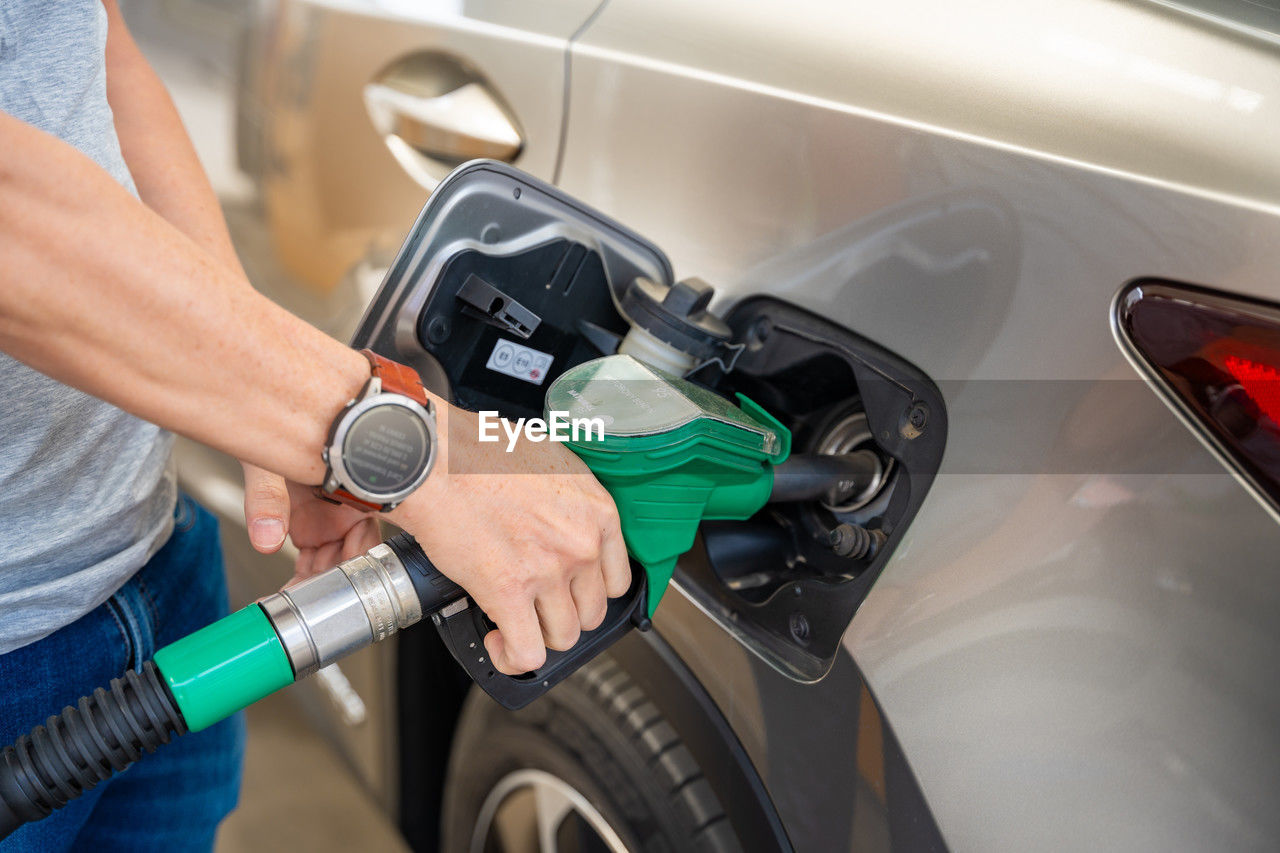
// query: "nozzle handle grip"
[[463, 629], [435, 591]]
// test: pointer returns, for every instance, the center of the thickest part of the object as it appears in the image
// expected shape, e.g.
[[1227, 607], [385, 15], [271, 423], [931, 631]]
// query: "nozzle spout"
[[834, 479]]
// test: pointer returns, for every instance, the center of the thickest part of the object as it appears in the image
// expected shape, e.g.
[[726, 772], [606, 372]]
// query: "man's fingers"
[[362, 536], [328, 555], [266, 508], [302, 565], [589, 599], [516, 647], [313, 561], [558, 616], [615, 565]]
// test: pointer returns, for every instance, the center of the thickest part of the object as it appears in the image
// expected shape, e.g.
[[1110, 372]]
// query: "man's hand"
[[530, 535], [324, 533]]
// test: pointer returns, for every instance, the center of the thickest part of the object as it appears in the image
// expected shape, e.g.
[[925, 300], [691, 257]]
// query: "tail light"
[[1217, 359]]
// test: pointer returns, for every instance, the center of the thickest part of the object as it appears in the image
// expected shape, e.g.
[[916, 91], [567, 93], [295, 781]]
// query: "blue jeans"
[[174, 798]]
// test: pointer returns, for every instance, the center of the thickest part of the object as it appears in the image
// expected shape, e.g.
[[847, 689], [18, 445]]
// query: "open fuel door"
[[504, 283]]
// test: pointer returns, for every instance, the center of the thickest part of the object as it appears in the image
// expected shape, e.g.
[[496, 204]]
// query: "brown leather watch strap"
[[342, 496], [396, 378]]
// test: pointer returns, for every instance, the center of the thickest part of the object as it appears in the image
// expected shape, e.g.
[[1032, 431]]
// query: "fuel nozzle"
[[831, 478], [671, 453]]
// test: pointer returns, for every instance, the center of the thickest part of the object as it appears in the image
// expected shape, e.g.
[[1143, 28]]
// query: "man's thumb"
[[266, 508]]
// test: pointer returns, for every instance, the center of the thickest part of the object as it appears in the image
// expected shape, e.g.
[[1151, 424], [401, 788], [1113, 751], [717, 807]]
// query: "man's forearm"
[[156, 147], [101, 293]]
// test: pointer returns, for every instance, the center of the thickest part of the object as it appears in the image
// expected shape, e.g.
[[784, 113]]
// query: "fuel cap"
[[678, 316]]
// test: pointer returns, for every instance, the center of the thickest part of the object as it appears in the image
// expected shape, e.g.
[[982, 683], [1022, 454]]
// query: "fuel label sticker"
[[519, 361]]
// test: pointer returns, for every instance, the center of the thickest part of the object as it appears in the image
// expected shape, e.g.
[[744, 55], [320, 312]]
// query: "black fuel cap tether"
[[678, 316]]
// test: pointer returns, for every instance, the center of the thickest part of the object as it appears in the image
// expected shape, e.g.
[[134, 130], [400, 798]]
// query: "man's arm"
[[156, 147], [100, 292], [172, 182]]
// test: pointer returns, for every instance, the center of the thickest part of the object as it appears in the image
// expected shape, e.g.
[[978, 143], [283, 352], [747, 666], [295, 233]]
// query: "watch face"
[[385, 449]]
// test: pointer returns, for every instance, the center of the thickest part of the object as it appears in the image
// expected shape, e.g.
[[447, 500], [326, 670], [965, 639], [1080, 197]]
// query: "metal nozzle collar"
[[359, 602]]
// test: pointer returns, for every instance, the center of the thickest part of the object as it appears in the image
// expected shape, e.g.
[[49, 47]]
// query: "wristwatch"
[[383, 443]]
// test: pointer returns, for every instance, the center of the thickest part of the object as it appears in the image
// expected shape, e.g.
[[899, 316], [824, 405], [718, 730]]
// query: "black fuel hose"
[[75, 750]]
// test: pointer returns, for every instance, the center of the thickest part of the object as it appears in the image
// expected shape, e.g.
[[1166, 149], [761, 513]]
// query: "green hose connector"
[[224, 667]]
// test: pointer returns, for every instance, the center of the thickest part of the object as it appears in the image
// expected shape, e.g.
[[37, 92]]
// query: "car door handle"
[[461, 124]]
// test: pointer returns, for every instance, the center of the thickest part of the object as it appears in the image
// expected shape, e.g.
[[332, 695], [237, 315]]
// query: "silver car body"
[[1077, 644]]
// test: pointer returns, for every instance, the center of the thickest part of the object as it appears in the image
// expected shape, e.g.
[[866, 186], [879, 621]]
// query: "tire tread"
[[604, 723]]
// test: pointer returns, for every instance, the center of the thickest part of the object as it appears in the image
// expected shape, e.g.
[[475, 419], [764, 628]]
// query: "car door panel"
[[331, 186]]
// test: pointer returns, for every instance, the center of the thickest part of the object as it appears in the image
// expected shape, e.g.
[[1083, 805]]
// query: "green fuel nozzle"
[[670, 452]]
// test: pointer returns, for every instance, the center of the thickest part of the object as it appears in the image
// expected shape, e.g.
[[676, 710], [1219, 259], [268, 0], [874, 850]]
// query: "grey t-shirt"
[[86, 490]]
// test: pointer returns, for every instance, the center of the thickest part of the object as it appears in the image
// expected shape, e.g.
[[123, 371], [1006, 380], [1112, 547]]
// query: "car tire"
[[597, 736]]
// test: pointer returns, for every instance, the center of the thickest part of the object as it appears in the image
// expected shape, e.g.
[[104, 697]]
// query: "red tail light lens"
[[1259, 382], [1217, 358]]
